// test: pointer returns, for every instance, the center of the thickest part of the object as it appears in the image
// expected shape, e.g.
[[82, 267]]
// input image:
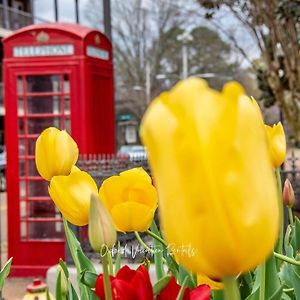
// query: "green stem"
[[158, 238], [231, 289], [110, 263], [182, 289], [291, 216], [72, 250], [262, 281], [106, 280], [138, 237], [287, 259], [280, 205]]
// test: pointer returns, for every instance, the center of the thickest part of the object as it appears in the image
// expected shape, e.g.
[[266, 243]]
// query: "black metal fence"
[[103, 166]]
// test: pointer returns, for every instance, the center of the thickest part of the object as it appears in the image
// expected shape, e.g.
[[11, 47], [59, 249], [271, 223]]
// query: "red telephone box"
[[54, 75]]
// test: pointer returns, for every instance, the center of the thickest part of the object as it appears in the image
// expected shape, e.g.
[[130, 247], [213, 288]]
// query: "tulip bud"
[[288, 194], [101, 230]]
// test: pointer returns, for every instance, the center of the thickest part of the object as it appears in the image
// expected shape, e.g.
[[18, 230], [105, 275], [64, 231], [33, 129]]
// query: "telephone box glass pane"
[[37, 188], [22, 168], [20, 107], [66, 84], [32, 171], [21, 126], [22, 188], [41, 230], [31, 146], [43, 83], [43, 105], [20, 85], [37, 125], [41, 209]]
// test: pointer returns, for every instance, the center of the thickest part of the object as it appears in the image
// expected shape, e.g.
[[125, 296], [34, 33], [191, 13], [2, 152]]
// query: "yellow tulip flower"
[[217, 191], [131, 199], [55, 153], [71, 194], [277, 144]]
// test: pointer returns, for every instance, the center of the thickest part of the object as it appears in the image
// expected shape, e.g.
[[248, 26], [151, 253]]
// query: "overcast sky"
[[44, 9]]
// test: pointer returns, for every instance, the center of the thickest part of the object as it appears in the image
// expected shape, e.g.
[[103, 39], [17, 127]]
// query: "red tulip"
[[127, 285], [170, 292]]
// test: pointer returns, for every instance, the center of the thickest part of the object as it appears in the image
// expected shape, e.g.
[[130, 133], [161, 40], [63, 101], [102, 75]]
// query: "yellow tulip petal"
[[132, 216], [55, 153], [143, 193], [277, 144], [135, 174], [113, 191], [210, 161], [214, 285], [71, 194]]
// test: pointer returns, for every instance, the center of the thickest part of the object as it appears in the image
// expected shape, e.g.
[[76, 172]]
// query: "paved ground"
[[14, 288]]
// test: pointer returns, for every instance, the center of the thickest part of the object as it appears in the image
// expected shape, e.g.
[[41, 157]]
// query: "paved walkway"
[[15, 288]]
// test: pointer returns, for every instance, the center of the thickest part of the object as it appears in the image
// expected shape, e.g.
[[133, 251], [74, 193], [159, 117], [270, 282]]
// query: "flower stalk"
[[231, 289], [280, 206], [105, 266]]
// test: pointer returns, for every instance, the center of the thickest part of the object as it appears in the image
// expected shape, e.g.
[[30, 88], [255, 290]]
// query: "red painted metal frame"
[[92, 126]]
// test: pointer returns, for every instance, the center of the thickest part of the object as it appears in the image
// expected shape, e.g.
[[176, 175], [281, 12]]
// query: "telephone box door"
[[40, 99]]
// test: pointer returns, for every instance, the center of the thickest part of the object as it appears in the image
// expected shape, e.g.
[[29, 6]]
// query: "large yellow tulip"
[[131, 199], [55, 153], [217, 193], [277, 144], [72, 194]]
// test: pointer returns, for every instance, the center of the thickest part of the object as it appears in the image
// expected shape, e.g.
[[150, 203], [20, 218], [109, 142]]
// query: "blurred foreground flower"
[[71, 194], [209, 157], [277, 144], [55, 153], [101, 228], [127, 285], [131, 199]]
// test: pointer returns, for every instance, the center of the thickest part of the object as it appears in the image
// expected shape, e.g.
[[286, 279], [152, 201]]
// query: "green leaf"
[[72, 295], [246, 285], [161, 284], [4, 272], [118, 259], [84, 262], [217, 295], [158, 253], [183, 273], [88, 278], [58, 287], [273, 288], [181, 291], [287, 242], [48, 295], [64, 268], [296, 236], [79, 260]]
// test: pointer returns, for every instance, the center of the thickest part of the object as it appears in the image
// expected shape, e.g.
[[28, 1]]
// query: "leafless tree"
[[274, 29]]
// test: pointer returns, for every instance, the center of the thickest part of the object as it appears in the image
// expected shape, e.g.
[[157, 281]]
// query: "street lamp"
[[185, 38]]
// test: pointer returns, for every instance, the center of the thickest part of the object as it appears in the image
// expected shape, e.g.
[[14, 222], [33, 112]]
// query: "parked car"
[[2, 169], [133, 152]]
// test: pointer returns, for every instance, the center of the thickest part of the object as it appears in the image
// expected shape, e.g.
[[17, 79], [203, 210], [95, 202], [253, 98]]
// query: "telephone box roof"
[[74, 29]]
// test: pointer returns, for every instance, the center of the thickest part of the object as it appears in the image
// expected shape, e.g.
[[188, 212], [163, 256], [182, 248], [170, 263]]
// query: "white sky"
[[44, 9]]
